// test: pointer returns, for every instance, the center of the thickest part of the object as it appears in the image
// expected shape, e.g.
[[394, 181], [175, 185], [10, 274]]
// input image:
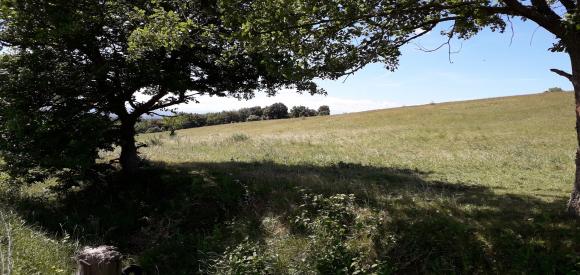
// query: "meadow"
[[472, 187]]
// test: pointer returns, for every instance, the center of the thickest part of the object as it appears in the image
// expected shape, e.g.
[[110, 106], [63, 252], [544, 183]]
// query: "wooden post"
[[101, 260]]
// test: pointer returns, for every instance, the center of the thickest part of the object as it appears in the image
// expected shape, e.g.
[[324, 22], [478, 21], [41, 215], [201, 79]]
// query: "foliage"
[[276, 111], [337, 37], [555, 90], [253, 118], [245, 258], [237, 137], [332, 228], [186, 121], [324, 110], [71, 66], [46, 120], [302, 111]]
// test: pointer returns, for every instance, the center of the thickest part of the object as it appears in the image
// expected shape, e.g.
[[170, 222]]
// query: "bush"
[[245, 258], [215, 118], [253, 118], [276, 111], [232, 117], [555, 90], [257, 111], [324, 110], [302, 111], [239, 137], [195, 120], [153, 129], [335, 236]]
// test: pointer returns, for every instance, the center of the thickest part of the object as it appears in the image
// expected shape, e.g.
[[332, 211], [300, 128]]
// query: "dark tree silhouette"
[[70, 62]]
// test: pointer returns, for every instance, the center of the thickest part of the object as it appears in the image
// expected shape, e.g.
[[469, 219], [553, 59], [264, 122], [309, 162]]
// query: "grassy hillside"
[[465, 187], [501, 168], [520, 145]]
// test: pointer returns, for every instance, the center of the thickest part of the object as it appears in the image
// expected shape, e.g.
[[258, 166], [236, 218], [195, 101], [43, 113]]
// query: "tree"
[[341, 36], [195, 120], [88, 60], [302, 111], [257, 111], [276, 111], [32, 130], [324, 110]]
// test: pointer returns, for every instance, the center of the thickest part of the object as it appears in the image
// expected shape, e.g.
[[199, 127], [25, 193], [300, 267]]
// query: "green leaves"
[[161, 29]]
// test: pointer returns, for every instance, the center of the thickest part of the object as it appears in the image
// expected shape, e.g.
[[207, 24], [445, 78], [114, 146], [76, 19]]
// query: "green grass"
[[520, 145], [33, 250], [465, 187]]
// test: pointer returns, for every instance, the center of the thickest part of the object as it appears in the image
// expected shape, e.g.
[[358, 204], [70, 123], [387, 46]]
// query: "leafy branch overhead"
[[338, 36]]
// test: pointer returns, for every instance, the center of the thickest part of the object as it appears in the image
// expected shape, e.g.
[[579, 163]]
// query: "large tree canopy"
[[70, 67], [349, 34], [342, 36]]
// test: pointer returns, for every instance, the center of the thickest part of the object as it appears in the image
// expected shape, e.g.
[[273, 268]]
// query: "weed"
[[237, 137]]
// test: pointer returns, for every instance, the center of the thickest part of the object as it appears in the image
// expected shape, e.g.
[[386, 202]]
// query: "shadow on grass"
[[174, 218]]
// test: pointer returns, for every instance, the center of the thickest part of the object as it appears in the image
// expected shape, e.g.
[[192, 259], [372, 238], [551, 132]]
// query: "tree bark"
[[129, 159], [574, 202]]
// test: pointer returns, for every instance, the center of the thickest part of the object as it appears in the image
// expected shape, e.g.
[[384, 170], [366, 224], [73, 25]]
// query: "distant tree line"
[[189, 120]]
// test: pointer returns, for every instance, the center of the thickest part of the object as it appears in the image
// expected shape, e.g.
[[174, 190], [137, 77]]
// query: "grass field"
[[466, 187]]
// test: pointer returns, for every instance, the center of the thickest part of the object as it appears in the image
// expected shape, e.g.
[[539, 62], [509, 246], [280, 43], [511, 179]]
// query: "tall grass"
[[6, 260], [452, 188]]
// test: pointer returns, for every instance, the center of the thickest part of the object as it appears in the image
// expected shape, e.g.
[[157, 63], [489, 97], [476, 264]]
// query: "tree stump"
[[101, 260]]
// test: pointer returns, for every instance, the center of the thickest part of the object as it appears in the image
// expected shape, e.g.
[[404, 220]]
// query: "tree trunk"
[[129, 159], [574, 203]]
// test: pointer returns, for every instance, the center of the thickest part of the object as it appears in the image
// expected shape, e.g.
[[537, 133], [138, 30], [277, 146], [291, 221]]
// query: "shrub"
[[239, 137], [324, 110], [245, 258], [153, 129], [257, 111], [302, 111], [276, 111], [253, 118], [154, 141], [195, 120], [232, 117], [555, 90], [215, 118], [336, 238]]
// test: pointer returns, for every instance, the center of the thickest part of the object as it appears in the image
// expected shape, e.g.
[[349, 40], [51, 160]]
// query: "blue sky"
[[487, 66]]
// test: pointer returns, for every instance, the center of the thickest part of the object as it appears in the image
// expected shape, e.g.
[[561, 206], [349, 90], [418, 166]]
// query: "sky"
[[488, 65]]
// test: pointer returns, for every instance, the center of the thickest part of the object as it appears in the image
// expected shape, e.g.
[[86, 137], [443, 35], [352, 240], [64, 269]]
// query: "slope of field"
[[467, 187], [475, 187], [520, 145]]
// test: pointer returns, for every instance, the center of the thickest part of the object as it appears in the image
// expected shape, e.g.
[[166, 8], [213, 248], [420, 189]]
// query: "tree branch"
[[181, 99], [157, 114], [545, 9], [566, 75], [537, 15], [570, 5], [143, 108]]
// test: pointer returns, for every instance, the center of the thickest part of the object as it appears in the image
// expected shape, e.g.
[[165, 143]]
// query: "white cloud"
[[289, 98]]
